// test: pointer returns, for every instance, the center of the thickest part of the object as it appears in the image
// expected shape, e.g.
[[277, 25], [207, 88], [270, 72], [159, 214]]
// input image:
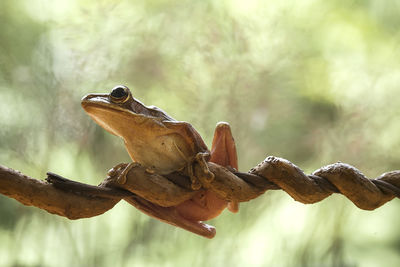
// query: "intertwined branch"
[[157, 195], [335, 178]]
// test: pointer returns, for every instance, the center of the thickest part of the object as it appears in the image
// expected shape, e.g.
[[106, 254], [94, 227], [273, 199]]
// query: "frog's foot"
[[122, 177], [114, 171], [199, 173]]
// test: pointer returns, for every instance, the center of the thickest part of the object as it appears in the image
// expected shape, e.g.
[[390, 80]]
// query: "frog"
[[164, 145]]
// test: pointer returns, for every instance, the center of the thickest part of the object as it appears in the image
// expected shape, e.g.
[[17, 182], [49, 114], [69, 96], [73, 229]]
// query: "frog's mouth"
[[110, 116]]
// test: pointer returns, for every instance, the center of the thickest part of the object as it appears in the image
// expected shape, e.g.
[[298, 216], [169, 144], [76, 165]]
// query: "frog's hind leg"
[[223, 152]]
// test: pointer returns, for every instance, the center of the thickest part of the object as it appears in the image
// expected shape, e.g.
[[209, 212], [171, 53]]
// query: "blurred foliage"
[[312, 81]]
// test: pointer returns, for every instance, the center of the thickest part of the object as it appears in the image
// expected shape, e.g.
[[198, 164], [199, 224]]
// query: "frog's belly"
[[163, 154]]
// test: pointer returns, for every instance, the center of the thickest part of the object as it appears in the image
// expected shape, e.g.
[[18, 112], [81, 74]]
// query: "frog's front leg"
[[189, 143], [198, 171]]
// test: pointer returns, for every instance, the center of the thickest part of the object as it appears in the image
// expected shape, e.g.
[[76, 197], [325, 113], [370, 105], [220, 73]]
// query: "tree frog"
[[164, 145]]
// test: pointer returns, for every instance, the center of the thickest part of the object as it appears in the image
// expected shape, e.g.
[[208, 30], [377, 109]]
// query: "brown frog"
[[164, 145]]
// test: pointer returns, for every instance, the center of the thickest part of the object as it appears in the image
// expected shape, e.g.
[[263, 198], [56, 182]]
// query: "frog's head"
[[119, 112]]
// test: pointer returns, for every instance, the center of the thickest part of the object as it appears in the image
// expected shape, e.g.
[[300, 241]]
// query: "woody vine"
[[156, 195]]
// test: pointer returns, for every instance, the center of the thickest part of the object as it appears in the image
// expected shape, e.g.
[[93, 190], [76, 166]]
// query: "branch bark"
[[157, 195], [41, 194]]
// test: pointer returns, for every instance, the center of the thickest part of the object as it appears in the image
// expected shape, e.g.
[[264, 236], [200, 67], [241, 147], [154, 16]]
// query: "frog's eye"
[[120, 94]]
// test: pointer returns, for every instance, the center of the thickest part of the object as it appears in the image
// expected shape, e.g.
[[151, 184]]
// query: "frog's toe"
[[122, 176], [121, 179], [202, 156], [114, 171], [196, 185], [208, 176], [150, 170]]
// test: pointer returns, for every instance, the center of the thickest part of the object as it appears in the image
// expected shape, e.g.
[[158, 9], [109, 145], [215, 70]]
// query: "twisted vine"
[[157, 195], [367, 194]]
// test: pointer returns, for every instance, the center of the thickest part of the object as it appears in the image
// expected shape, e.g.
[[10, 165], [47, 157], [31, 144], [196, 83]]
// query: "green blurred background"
[[312, 81]]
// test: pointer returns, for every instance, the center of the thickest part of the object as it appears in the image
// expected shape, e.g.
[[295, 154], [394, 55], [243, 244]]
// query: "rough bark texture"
[[41, 194], [335, 178], [157, 195]]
